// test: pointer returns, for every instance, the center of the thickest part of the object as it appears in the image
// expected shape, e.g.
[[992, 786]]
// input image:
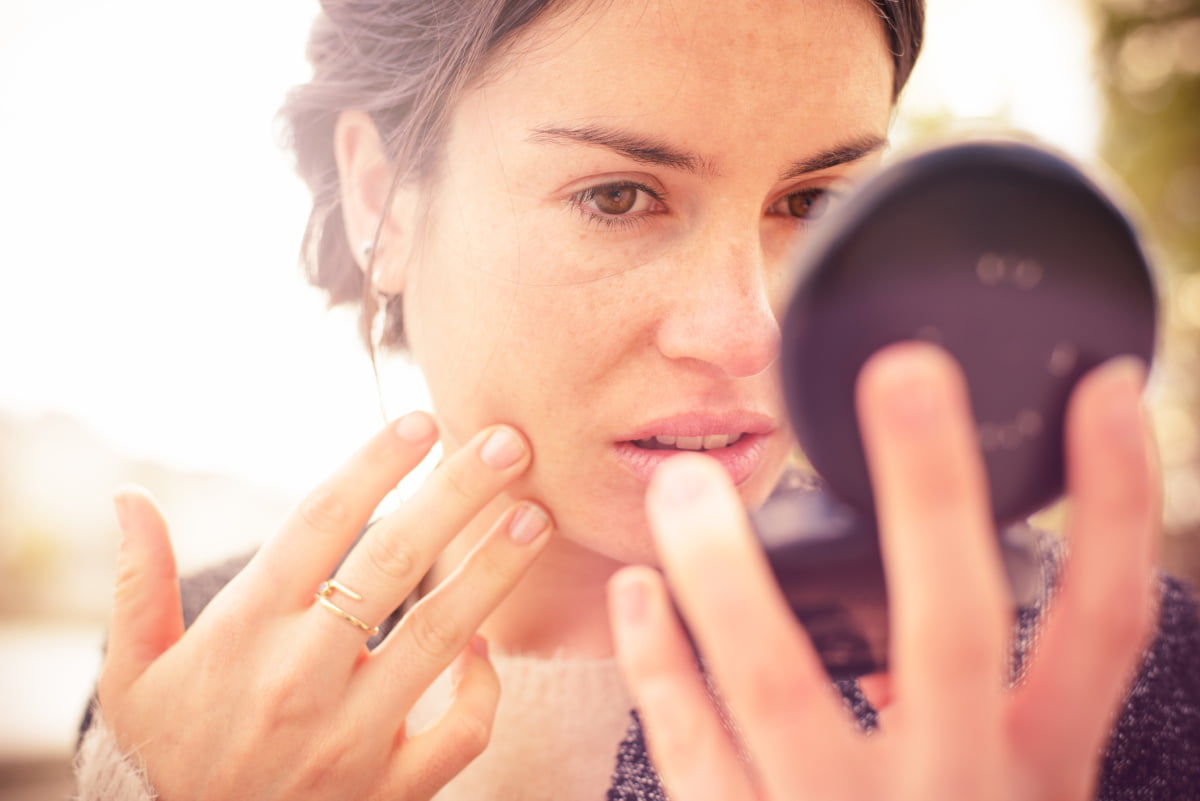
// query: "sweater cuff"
[[104, 773]]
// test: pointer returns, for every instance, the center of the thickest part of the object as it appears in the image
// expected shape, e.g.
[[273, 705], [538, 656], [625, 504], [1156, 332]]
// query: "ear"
[[365, 176]]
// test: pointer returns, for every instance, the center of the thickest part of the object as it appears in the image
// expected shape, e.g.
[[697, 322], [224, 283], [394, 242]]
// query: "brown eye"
[[621, 203], [616, 199], [808, 204]]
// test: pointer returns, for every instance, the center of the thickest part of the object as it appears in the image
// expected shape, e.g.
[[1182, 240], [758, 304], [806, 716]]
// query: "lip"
[[740, 460]]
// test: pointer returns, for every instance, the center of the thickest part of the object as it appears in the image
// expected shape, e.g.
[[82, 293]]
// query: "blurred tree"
[[1148, 61]]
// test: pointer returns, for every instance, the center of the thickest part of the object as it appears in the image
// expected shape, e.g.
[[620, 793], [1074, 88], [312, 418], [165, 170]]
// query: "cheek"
[[553, 348], [593, 343], [495, 337], [492, 349]]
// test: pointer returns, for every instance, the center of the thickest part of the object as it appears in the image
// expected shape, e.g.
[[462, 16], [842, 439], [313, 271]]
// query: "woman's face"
[[606, 252]]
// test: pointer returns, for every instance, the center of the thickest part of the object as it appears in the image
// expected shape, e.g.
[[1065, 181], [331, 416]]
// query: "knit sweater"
[[578, 707], [1152, 755]]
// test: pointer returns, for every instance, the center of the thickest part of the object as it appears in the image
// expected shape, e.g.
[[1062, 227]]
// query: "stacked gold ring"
[[331, 586]]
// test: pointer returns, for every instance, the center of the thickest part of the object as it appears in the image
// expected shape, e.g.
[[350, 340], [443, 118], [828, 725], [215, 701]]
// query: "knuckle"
[[324, 511], [127, 589], [340, 755], [773, 696], [471, 735], [658, 697], [454, 476], [381, 451], [491, 568], [433, 636], [392, 556], [1122, 627], [972, 655], [966, 644], [766, 693], [969, 638], [283, 711], [287, 700], [676, 742], [681, 736], [285, 695]]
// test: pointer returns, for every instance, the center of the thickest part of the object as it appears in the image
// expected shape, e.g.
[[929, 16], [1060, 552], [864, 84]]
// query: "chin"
[[620, 531], [614, 528]]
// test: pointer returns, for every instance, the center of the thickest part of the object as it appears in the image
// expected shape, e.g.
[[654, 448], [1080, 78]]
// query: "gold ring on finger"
[[331, 586]]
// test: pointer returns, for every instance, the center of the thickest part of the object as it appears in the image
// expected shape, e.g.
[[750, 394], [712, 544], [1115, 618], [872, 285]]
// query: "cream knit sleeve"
[[104, 773]]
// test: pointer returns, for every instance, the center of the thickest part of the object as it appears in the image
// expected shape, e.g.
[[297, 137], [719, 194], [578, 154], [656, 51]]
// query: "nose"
[[719, 313]]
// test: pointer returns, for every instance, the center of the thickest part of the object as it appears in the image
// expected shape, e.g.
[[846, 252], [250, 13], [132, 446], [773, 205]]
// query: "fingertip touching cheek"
[[609, 234]]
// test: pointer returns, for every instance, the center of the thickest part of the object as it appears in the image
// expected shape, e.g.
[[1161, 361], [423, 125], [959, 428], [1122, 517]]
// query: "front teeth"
[[711, 442]]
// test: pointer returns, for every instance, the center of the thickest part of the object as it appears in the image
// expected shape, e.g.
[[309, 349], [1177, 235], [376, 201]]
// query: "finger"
[[692, 750], [950, 613], [427, 761], [1103, 613], [877, 689], [764, 666], [441, 624], [147, 615], [396, 552], [302, 554]]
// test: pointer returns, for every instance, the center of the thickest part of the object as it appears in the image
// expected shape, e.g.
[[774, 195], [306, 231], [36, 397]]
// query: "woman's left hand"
[[954, 728]]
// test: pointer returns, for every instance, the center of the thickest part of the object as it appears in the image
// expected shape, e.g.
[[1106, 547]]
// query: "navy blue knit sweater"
[[1152, 755]]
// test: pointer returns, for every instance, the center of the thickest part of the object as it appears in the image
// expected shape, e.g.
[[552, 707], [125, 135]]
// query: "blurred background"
[[154, 327]]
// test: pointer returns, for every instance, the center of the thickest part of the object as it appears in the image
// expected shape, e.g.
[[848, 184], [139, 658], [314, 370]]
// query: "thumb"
[[147, 615]]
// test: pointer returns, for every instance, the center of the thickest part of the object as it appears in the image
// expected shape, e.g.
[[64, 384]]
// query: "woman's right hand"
[[956, 728], [271, 695]]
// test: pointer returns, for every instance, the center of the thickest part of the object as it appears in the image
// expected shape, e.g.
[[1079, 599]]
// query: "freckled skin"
[[521, 309]]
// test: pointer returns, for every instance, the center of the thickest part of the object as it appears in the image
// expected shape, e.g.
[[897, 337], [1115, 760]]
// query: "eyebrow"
[[647, 150], [642, 149], [853, 150]]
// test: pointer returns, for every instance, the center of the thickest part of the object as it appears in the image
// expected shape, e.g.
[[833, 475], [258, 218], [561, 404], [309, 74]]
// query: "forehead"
[[716, 70]]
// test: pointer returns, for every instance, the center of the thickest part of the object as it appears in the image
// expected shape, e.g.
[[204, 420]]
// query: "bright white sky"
[[149, 223]]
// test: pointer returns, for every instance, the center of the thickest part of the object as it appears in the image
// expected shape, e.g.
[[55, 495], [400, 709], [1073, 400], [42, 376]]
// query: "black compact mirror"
[[1012, 260]]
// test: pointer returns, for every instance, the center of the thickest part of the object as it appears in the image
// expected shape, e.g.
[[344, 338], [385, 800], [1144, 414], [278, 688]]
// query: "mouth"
[[737, 441], [710, 442]]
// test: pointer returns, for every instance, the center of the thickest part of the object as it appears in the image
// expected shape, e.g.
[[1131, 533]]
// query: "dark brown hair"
[[406, 62]]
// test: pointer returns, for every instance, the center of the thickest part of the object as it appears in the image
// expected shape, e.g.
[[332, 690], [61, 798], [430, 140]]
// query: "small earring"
[[378, 325], [367, 248]]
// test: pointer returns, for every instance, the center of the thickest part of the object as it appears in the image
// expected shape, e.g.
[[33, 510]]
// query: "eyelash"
[[820, 196], [624, 221], [578, 201]]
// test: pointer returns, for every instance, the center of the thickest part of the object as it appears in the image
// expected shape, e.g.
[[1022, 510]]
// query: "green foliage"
[[1149, 69], [1149, 60]]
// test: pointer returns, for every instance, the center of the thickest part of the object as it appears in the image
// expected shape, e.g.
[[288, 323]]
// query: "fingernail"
[[909, 384], [415, 427], [1126, 377], [121, 507], [502, 449], [632, 599], [479, 645], [529, 522], [124, 545], [681, 480], [1126, 369]]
